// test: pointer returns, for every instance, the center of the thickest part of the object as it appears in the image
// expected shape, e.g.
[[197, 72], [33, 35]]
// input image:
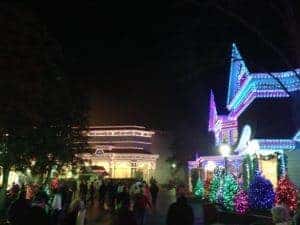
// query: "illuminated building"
[[124, 151], [225, 128], [244, 87]]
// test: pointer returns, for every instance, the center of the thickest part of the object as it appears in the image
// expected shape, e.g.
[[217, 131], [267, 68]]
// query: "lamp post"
[[253, 147], [251, 150], [225, 152]]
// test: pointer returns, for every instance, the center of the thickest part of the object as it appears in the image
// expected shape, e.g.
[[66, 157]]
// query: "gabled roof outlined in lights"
[[244, 87]]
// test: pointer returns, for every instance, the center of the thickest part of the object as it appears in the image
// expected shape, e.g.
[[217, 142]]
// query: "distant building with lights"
[[123, 151], [273, 154]]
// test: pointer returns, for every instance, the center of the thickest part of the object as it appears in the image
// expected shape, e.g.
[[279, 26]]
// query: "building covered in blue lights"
[[277, 156]]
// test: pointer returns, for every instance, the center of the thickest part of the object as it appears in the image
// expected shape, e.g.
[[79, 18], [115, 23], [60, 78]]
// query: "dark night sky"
[[153, 62]]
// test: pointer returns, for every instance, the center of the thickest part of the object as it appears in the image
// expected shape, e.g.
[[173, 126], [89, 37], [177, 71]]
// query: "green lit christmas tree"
[[230, 189], [213, 189], [199, 189]]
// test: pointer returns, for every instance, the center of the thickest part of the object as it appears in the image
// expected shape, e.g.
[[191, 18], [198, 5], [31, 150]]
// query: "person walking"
[[141, 202], [56, 206], [102, 194], [123, 215], [280, 215], [154, 191], [147, 192], [111, 189], [82, 193], [37, 213], [296, 218], [122, 197], [180, 212], [19, 210], [76, 214], [92, 192]]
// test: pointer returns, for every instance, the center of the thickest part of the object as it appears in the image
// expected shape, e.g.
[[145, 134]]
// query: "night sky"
[[153, 63]]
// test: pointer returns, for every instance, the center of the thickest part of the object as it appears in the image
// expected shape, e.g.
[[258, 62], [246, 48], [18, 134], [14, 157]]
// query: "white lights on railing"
[[108, 133], [210, 166]]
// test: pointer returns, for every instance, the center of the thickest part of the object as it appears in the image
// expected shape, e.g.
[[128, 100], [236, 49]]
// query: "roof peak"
[[213, 113], [238, 71]]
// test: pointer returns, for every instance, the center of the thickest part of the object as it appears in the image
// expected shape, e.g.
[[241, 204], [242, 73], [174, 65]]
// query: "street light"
[[225, 152], [173, 165], [253, 147]]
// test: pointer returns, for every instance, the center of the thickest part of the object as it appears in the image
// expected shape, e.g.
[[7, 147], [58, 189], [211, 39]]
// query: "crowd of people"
[[41, 204], [65, 204], [127, 202]]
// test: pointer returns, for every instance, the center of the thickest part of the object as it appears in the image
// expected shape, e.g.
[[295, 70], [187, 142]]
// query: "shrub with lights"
[[261, 194], [213, 189], [199, 189], [215, 185], [241, 202], [230, 188], [286, 193]]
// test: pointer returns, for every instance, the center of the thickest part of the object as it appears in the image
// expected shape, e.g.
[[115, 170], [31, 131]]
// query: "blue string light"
[[261, 194]]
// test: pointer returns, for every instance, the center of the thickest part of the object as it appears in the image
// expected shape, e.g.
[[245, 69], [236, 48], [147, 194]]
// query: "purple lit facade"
[[244, 87], [225, 128]]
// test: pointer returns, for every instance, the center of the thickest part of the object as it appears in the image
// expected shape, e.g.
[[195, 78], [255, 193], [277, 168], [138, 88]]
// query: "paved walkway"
[[157, 217]]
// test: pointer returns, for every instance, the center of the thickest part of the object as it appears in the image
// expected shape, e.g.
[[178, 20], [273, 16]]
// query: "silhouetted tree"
[[41, 113]]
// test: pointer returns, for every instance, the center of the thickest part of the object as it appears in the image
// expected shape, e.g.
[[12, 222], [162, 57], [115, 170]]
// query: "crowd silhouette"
[[64, 204]]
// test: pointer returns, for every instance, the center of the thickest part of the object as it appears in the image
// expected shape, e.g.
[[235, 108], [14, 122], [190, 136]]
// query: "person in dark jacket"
[[154, 191], [37, 212], [141, 202], [18, 210], [180, 212], [122, 197], [102, 193], [92, 192], [83, 189], [123, 215], [111, 192]]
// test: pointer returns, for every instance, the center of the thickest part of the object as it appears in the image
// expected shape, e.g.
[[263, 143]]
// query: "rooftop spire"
[[238, 71], [212, 112]]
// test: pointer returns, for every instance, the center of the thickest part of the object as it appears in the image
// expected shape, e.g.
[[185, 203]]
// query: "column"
[[190, 180]]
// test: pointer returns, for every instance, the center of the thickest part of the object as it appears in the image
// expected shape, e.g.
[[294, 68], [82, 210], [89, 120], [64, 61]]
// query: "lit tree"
[[261, 194], [286, 193], [230, 189], [241, 202], [194, 177], [247, 171], [215, 185], [39, 104], [213, 189], [199, 189]]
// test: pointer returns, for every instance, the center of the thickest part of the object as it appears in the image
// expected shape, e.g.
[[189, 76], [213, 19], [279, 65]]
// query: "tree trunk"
[[3, 209]]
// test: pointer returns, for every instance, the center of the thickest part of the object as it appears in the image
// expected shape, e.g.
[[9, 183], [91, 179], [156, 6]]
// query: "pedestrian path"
[[95, 214], [154, 217], [198, 213]]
